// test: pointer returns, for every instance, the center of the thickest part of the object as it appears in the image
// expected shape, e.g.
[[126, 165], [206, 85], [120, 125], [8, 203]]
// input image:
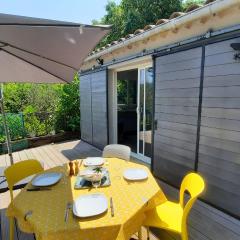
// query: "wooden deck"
[[50, 155], [205, 222]]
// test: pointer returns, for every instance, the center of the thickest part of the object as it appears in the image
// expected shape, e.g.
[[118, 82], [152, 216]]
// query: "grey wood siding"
[[86, 108], [99, 109], [93, 106], [177, 80], [219, 149]]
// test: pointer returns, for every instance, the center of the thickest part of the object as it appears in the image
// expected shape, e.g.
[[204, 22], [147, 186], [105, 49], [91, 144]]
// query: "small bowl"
[[94, 177], [91, 175]]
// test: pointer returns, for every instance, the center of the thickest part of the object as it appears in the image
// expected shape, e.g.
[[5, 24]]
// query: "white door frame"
[[144, 108], [113, 70]]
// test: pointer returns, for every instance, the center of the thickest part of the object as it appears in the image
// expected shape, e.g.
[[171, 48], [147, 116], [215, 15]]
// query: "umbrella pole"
[[6, 129]]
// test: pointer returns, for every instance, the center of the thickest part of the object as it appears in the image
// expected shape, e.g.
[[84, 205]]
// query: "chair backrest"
[[21, 170], [194, 184], [117, 151]]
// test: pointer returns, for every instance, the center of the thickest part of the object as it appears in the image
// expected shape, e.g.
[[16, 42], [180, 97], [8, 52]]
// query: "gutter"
[[204, 11]]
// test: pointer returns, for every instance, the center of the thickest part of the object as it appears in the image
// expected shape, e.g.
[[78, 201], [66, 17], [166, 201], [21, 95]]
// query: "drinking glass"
[[96, 183]]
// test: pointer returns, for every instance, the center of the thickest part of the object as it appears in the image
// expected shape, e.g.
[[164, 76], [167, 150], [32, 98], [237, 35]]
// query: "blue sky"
[[80, 11]]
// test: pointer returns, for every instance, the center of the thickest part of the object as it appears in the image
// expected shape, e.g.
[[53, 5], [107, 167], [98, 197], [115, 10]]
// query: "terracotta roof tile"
[[129, 35], [138, 31], [161, 21], [121, 39], [147, 27], [176, 14], [114, 42], [192, 7], [209, 1]]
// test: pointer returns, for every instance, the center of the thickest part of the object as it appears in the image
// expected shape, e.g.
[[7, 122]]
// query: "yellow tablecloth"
[[131, 200]]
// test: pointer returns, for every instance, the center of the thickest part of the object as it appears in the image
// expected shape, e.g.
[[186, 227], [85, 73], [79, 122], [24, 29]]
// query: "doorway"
[[145, 111], [127, 85], [135, 110]]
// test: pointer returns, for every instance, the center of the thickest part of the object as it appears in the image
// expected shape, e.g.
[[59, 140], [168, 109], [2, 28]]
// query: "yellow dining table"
[[131, 199]]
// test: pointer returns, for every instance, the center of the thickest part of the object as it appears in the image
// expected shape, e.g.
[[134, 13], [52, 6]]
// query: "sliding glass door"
[[145, 111], [135, 109]]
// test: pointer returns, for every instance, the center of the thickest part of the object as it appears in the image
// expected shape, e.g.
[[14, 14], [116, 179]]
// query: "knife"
[[38, 189], [111, 206]]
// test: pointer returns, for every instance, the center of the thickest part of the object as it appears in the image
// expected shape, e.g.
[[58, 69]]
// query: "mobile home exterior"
[[172, 92]]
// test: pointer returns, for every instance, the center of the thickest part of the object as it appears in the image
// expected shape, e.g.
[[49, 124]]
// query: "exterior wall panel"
[[93, 106], [177, 81], [99, 109], [86, 108], [219, 149]]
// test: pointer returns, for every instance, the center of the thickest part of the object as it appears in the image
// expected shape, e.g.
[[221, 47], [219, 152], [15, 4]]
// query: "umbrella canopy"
[[44, 51]]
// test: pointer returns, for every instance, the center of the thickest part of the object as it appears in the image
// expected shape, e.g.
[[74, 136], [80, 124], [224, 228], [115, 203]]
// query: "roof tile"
[[176, 14], [192, 7], [129, 35], [209, 1], [147, 27], [161, 21], [138, 31]]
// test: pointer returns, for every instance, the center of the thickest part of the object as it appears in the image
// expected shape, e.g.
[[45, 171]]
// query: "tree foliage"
[[68, 108], [46, 107], [188, 3], [131, 15]]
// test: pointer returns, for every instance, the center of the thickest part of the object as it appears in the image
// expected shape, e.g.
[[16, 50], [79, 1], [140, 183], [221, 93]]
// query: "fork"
[[68, 207]]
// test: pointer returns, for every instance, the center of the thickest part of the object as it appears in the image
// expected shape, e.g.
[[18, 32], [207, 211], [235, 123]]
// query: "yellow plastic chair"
[[16, 173], [173, 216]]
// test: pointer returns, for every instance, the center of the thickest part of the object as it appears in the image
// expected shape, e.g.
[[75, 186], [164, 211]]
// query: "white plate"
[[46, 179], [135, 174], [93, 161], [90, 205]]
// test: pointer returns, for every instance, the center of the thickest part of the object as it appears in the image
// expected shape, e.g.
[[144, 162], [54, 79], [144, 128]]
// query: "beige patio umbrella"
[[43, 51]]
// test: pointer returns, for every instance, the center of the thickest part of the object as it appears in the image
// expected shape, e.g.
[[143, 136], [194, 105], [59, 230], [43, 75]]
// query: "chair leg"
[[17, 232], [148, 233], [140, 234], [11, 228]]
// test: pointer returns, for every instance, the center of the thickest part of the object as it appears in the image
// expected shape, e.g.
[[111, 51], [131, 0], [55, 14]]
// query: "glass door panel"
[[145, 111], [141, 109]]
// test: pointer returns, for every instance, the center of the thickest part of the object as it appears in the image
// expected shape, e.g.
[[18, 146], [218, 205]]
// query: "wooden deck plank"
[[47, 156], [7, 160], [16, 157], [23, 156], [57, 154], [29, 154], [43, 157], [38, 156], [77, 149], [48, 149]]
